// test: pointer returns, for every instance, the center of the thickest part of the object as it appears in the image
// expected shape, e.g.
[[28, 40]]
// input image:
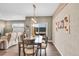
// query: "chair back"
[[30, 41], [46, 40], [20, 37], [29, 45]]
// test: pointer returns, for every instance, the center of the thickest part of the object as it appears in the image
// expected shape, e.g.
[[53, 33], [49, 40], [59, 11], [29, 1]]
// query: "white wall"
[[67, 44]]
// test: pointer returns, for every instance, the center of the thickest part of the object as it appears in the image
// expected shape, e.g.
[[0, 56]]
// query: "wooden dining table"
[[38, 41]]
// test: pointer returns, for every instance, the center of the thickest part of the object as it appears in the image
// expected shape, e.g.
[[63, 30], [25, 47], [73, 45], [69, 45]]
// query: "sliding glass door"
[[40, 29]]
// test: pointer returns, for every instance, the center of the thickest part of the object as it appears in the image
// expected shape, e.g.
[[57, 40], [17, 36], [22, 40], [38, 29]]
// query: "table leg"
[[19, 49], [23, 50], [40, 49]]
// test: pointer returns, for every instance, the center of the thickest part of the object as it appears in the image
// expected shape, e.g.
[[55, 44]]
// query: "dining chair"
[[44, 44], [30, 49], [20, 43]]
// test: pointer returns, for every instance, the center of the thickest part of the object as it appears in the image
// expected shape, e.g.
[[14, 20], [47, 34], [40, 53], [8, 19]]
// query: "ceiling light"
[[34, 16], [34, 20]]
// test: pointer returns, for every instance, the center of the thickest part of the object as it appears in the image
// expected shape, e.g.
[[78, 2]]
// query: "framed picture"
[[67, 23], [63, 24]]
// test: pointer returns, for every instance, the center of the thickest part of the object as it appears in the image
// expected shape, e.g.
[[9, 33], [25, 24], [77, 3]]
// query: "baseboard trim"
[[49, 40], [57, 49]]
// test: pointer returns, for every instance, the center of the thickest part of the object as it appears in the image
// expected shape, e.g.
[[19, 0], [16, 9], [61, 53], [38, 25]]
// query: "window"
[[18, 27]]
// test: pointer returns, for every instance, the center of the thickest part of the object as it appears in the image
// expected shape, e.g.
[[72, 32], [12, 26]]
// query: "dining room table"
[[37, 41]]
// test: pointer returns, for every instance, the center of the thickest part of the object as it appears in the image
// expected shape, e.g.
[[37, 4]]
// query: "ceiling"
[[18, 11]]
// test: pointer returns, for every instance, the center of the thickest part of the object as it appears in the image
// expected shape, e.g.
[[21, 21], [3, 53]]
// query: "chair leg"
[[40, 50], [19, 49], [45, 53], [23, 52], [37, 52]]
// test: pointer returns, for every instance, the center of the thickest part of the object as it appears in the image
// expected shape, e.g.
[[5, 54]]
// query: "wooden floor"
[[13, 51]]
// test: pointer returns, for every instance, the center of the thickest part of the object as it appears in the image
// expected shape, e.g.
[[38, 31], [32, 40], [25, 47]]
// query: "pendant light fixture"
[[34, 16]]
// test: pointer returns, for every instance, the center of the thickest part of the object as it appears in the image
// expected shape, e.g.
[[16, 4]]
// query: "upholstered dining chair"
[[30, 49], [44, 44]]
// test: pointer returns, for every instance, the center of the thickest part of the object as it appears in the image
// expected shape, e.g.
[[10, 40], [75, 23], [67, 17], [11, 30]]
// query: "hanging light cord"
[[34, 10]]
